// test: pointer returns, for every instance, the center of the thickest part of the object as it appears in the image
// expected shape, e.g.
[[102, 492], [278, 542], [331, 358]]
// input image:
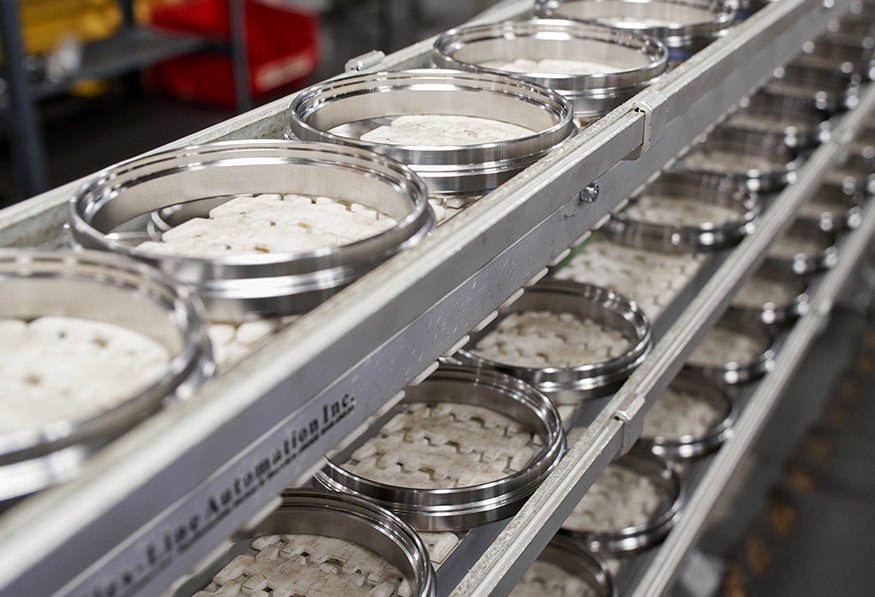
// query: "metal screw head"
[[588, 194]]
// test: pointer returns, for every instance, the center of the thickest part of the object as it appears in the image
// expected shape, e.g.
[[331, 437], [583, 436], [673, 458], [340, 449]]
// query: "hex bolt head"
[[588, 194]]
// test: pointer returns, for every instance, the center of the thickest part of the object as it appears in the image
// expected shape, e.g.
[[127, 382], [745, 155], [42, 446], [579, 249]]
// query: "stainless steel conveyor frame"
[[168, 493]]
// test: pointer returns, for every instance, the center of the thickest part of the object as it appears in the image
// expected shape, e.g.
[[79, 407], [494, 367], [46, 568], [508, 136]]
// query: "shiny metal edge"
[[569, 385], [463, 508], [590, 94], [677, 238], [624, 541], [694, 446]]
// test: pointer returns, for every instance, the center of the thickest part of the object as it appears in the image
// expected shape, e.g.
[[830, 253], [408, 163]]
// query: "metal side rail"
[[620, 424], [664, 566], [159, 499]]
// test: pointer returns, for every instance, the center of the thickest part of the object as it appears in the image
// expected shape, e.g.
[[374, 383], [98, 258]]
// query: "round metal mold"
[[733, 373], [250, 286], [110, 289], [832, 91], [846, 58], [834, 208], [463, 508], [641, 537], [724, 145], [685, 26], [570, 385], [800, 124], [631, 62], [335, 516], [694, 445], [573, 558], [857, 173], [775, 312], [803, 263], [678, 238], [340, 111]]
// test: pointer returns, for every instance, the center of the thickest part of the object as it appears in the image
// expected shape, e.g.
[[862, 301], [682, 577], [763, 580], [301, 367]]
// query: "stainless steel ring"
[[464, 507], [801, 263], [573, 384], [703, 187], [641, 537], [825, 90], [783, 160], [859, 175], [361, 102], [111, 289], [771, 312], [734, 373], [685, 26], [842, 57], [255, 285], [636, 61], [692, 446], [575, 559], [338, 516], [844, 211], [800, 123]]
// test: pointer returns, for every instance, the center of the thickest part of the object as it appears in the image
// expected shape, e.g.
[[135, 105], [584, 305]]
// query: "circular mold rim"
[[786, 161], [684, 35], [676, 238], [249, 286], [772, 313], [575, 559], [107, 288], [463, 508], [849, 216], [346, 517], [689, 445], [593, 94], [810, 126], [448, 170], [570, 385], [826, 90], [734, 373], [640, 537], [801, 264]]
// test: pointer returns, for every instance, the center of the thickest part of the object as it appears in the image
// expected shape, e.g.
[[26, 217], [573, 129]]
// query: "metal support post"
[[239, 55], [28, 151]]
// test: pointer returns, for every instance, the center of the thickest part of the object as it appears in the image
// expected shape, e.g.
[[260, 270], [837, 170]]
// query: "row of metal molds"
[[145, 198]]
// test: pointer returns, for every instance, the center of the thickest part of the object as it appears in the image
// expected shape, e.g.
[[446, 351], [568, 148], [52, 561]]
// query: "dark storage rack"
[[132, 48]]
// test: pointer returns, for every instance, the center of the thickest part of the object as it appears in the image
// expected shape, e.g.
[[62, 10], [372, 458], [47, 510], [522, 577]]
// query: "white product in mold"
[[71, 369], [271, 223], [545, 339], [678, 413], [620, 498], [444, 446], [311, 565], [445, 130]]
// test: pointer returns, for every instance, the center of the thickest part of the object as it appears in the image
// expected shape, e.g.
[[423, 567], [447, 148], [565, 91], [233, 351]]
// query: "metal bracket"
[[633, 421], [654, 106], [365, 61]]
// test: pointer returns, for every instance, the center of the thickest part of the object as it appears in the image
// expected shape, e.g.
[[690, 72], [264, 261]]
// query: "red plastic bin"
[[282, 46]]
